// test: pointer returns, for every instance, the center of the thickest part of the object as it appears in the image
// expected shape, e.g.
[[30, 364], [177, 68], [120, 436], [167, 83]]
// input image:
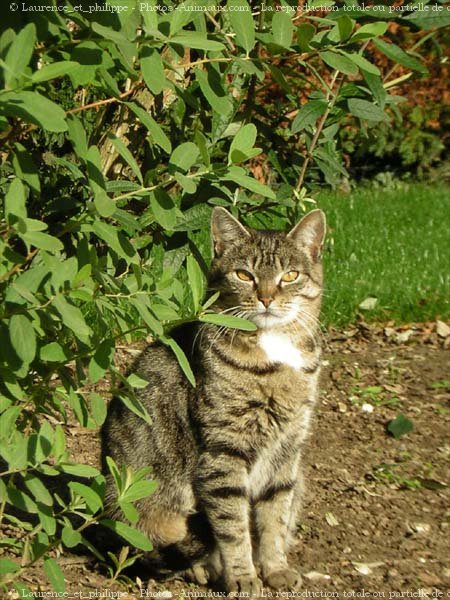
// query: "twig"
[[331, 103], [17, 267], [100, 102]]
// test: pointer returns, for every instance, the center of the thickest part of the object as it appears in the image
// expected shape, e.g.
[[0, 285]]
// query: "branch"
[[331, 103]]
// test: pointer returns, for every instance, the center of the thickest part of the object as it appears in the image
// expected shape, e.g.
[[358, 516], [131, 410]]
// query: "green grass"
[[389, 244]]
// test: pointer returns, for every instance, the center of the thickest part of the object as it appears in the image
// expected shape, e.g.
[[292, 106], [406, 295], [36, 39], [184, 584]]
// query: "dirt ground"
[[376, 519]]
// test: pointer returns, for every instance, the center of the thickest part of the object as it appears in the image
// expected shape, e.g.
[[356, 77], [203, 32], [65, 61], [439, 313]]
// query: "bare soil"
[[376, 519]]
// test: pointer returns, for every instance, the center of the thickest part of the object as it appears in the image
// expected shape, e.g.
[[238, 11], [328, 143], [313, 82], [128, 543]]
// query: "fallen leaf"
[[399, 426], [369, 303], [331, 519]]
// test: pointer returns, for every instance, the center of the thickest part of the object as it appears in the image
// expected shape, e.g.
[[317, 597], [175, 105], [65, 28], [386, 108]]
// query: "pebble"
[[442, 329], [315, 575]]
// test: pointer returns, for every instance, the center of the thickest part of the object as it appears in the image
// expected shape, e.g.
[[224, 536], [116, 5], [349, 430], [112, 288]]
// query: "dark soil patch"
[[376, 516]]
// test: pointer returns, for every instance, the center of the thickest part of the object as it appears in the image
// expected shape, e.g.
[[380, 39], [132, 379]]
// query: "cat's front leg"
[[222, 488], [273, 514]]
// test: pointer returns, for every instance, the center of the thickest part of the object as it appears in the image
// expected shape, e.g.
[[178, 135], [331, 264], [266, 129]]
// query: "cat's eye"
[[290, 276], [244, 275]]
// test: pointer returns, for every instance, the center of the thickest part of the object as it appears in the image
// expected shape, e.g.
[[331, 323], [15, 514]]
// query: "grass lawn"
[[392, 245]]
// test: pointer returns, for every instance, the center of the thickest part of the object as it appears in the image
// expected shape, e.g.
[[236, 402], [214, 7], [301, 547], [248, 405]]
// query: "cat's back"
[[164, 403]]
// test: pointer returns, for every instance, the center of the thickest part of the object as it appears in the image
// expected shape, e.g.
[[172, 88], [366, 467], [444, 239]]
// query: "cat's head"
[[272, 278]]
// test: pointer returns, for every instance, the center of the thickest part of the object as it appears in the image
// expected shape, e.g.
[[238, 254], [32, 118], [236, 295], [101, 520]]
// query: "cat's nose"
[[266, 301]]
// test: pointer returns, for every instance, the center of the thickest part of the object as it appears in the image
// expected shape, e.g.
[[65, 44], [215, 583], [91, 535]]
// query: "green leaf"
[[54, 70], [70, 537], [43, 241], [163, 208], [308, 114], [188, 184], [98, 408], [129, 511], [79, 470], [157, 135], [195, 277], [116, 241], [369, 31], [228, 321], [282, 29], [400, 426], [345, 27], [34, 108], [375, 85], [238, 176], [109, 33], [400, 56], [131, 535], [77, 135], [138, 490], [135, 405], [217, 98], [72, 318], [362, 63], [127, 156], [15, 201], [153, 70], [182, 359], [320, 4], [8, 420], [146, 315], [430, 19], [242, 145], [366, 110], [92, 499], [195, 39], [19, 54], [105, 206], [339, 62], [38, 489], [23, 337], [137, 382], [184, 156], [241, 19], [305, 33], [101, 360], [8, 566], [52, 352], [54, 575], [25, 167]]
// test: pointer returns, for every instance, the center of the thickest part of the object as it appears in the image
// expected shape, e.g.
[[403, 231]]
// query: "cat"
[[229, 450]]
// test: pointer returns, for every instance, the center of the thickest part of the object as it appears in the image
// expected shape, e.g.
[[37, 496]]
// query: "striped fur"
[[230, 449]]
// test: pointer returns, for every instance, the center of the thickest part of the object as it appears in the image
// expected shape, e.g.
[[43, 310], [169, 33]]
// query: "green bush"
[[120, 129]]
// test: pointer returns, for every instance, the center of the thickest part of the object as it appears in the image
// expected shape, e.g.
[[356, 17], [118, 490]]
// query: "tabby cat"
[[229, 451]]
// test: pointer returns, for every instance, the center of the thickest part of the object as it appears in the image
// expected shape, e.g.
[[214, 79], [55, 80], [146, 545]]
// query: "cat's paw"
[[284, 579], [198, 574], [247, 586]]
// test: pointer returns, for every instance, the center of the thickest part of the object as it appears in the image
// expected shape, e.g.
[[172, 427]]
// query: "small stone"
[[430, 579], [442, 329], [315, 575], [419, 528], [366, 407], [404, 336], [393, 574], [342, 407]]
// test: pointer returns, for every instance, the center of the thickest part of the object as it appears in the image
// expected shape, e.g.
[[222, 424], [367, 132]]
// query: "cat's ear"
[[225, 230], [309, 233]]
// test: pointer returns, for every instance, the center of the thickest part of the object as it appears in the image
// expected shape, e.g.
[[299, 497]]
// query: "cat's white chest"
[[279, 348]]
